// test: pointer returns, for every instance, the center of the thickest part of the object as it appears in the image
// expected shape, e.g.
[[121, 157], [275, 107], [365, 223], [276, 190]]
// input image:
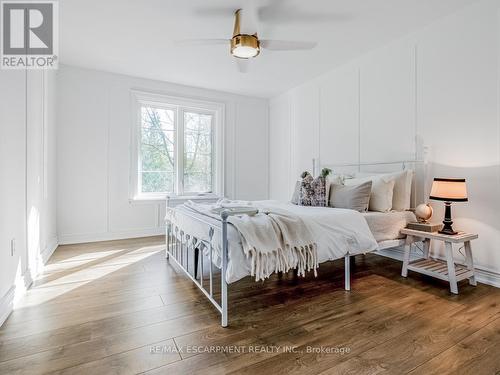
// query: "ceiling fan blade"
[[286, 45], [201, 42], [213, 11], [242, 64], [279, 12]]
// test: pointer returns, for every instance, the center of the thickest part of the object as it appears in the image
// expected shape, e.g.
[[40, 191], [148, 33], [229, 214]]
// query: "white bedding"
[[386, 225], [337, 232]]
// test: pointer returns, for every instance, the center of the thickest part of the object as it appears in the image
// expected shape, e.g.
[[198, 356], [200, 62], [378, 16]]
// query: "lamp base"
[[447, 223], [448, 232]]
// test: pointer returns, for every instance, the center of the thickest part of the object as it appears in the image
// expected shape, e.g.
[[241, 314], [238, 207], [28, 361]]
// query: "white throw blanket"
[[274, 236]]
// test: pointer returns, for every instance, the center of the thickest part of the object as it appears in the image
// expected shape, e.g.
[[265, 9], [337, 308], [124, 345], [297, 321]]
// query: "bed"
[[386, 226], [193, 235]]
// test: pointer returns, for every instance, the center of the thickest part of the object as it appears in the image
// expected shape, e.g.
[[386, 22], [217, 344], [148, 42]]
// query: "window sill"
[[173, 199], [180, 199], [146, 200]]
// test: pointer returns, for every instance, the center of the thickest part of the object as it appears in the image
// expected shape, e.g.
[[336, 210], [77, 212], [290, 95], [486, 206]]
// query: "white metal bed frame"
[[179, 244]]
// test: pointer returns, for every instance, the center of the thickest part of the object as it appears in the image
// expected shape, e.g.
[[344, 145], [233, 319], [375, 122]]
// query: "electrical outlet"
[[12, 247]]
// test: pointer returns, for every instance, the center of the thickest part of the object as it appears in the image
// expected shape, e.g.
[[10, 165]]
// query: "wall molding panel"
[[28, 229], [94, 153], [428, 96]]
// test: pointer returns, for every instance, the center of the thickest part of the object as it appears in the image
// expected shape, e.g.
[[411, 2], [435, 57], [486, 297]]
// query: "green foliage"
[[158, 151], [325, 172]]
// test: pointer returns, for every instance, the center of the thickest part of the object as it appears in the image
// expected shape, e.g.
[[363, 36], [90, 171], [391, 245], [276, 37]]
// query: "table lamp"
[[448, 190]]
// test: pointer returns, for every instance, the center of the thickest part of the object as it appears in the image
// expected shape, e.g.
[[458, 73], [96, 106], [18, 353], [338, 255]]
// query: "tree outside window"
[[176, 150]]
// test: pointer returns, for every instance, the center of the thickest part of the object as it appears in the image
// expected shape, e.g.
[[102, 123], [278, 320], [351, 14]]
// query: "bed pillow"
[[381, 193], [311, 191], [320, 197], [296, 193], [355, 197], [306, 192], [401, 199], [333, 179]]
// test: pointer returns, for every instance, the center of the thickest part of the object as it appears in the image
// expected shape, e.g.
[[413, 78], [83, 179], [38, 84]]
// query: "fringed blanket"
[[275, 239]]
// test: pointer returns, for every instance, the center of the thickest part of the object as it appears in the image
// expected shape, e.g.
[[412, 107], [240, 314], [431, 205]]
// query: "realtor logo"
[[29, 34]]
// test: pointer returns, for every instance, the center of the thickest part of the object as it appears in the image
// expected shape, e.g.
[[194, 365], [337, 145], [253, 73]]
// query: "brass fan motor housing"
[[245, 40]]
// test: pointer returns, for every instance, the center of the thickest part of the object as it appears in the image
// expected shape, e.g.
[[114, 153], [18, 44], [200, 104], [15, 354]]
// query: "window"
[[177, 147]]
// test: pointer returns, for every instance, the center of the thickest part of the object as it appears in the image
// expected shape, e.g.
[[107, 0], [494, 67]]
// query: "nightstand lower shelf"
[[443, 270], [439, 269]]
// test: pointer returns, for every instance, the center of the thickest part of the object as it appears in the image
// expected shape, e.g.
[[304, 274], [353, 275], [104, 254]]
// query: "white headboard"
[[418, 166]]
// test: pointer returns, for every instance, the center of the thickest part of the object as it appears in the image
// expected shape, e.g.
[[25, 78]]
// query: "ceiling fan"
[[244, 46]]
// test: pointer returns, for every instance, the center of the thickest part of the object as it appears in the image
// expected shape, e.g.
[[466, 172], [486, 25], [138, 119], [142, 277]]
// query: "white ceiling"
[[137, 37]]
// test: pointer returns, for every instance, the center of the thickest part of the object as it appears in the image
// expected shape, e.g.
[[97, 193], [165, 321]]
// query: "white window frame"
[[180, 105]]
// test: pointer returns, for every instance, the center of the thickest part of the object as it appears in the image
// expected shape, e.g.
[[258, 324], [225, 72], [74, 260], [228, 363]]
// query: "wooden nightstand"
[[444, 270]]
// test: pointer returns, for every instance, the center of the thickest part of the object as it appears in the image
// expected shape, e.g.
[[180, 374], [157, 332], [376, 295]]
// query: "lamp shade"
[[449, 190]]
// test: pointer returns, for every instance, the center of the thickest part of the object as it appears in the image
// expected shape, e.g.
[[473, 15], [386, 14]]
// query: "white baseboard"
[[484, 276], [67, 239], [23, 283], [7, 304], [16, 291], [49, 250]]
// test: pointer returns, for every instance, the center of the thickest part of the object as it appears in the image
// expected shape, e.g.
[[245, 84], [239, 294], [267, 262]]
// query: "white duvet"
[[337, 232]]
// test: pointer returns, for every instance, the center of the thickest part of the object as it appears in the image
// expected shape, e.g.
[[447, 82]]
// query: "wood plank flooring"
[[119, 307]]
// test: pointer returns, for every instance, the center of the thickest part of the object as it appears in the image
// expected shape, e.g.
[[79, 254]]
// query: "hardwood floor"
[[119, 307]]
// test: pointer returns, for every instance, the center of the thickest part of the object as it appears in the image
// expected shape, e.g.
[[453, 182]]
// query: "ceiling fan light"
[[245, 46], [244, 52]]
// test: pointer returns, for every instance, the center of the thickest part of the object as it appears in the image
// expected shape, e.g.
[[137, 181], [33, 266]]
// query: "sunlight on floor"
[[69, 274], [20, 290]]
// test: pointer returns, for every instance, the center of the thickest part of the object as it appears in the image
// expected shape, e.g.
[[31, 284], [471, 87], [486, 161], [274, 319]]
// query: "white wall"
[[27, 179], [12, 184], [437, 90], [94, 149], [280, 148]]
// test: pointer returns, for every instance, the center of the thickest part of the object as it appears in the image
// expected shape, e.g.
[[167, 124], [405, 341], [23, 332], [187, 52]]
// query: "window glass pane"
[[157, 118], [154, 182], [157, 150], [197, 152]]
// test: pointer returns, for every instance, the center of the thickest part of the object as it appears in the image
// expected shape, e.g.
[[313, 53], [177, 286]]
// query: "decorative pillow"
[[381, 194], [319, 188], [313, 191], [306, 193], [355, 197], [401, 199]]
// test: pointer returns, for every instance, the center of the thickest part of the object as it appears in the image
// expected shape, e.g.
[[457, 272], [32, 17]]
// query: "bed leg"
[[167, 241], [347, 266], [196, 260], [224, 320]]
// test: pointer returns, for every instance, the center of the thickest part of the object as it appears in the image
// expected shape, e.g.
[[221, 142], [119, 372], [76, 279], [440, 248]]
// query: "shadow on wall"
[[479, 215]]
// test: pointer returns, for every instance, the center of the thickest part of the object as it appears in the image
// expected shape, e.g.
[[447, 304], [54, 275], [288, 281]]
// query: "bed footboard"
[[185, 250], [189, 253]]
